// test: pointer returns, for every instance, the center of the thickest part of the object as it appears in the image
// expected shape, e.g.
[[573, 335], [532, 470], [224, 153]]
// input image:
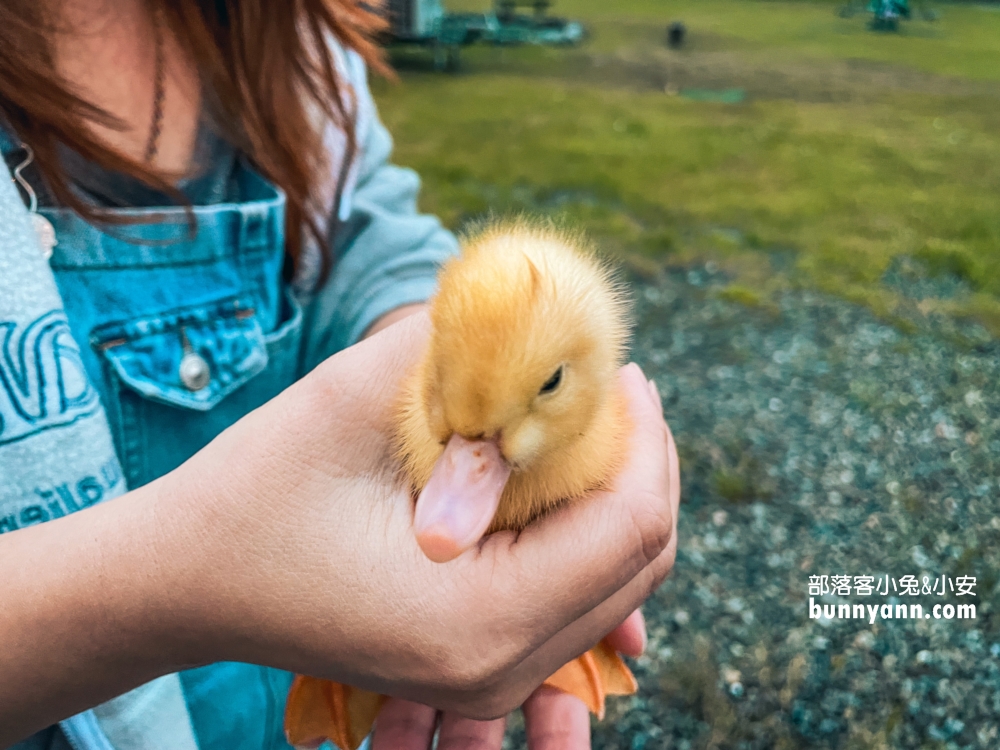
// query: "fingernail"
[[656, 393]]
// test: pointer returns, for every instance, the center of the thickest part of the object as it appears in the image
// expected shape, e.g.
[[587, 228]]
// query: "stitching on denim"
[[124, 331]]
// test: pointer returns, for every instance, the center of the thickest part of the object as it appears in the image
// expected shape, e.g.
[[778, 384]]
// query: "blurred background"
[[803, 197]]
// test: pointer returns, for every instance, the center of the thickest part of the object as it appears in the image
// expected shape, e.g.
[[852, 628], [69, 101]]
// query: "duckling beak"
[[458, 503]]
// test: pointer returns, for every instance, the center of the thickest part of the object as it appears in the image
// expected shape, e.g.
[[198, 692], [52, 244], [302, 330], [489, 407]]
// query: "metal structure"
[[427, 23], [886, 14]]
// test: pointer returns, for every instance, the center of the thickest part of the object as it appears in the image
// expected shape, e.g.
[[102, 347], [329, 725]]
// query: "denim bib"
[[182, 334]]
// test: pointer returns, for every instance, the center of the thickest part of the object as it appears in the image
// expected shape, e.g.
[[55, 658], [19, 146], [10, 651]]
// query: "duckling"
[[512, 411]]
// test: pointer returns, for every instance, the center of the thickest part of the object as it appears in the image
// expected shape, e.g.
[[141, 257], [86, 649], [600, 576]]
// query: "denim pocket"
[[159, 415], [190, 358]]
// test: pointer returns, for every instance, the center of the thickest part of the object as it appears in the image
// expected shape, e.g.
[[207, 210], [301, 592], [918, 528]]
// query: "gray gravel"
[[816, 440]]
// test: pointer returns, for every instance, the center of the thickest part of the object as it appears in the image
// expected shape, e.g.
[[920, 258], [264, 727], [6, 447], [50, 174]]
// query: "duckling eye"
[[552, 383]]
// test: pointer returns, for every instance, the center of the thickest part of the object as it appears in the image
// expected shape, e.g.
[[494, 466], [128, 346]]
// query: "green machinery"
[[886, 14], [427, 23]]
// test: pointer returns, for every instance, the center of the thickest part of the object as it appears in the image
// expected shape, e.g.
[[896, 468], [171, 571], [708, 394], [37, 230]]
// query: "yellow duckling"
[[512, 411]]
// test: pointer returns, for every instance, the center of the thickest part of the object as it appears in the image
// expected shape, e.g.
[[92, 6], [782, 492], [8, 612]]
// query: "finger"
[[555, 720], [652, 576], [590, 628], [629, 638], [404, 725], [592, 548], [458, 733], [587, 630]]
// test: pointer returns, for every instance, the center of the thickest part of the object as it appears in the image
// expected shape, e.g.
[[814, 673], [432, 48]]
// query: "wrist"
[[163, 603], [196, 565]]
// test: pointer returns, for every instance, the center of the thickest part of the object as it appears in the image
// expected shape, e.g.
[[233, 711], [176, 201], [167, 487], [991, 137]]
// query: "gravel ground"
[[816, 440]]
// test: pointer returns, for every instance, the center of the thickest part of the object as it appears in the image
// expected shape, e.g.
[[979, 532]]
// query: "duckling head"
[[528, 332]]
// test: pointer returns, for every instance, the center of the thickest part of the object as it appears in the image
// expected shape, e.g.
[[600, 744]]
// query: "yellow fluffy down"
[[522, 305]]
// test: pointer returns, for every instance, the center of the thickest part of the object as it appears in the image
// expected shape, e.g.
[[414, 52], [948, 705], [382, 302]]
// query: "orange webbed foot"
[[598, 673], [320, 710]]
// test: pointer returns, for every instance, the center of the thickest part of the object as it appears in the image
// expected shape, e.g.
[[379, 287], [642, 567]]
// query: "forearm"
[[91, 608]]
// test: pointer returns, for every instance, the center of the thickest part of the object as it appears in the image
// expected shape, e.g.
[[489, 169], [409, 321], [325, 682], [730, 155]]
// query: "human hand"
[[304, 557], [553, 720]]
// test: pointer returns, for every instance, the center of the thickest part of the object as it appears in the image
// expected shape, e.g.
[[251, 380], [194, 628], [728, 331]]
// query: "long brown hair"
[[264, 65]]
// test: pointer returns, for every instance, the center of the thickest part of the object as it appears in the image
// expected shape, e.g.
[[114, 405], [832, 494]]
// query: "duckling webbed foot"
[[320, 710], [592, 677]]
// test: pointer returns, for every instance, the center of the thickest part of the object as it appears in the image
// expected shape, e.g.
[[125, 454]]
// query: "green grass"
[[963, 42], [853, 150]]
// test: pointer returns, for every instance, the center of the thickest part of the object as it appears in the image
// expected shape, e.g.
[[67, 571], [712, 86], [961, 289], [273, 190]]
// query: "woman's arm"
[[288, 542]]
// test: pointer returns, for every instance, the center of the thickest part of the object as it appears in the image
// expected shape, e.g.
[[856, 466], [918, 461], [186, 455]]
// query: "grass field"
[[862, 164]]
